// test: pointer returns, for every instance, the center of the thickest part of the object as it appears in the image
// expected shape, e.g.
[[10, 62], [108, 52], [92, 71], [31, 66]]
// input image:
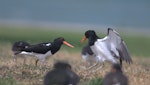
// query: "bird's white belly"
[[99, 48], [40, 56], [26, 53], [89, 58], [102, 51]]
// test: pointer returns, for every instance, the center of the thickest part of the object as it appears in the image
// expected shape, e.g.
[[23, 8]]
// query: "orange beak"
[[83, 40], [66, 43]]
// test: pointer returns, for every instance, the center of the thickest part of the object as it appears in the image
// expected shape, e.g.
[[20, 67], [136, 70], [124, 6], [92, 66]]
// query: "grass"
[[7, 81], [95, 81], [29, 74], [138, 45], [19, 74]]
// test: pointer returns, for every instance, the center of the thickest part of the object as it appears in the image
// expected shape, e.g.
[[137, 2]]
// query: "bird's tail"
[[18, 46]]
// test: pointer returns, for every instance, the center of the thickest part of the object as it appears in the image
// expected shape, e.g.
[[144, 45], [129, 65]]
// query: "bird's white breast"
[[101, 49], [37, 54], [43, 55], [26, 53]]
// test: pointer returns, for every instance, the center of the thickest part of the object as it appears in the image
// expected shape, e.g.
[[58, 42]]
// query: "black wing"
[[87, 50], [17, 46], [41, 48]]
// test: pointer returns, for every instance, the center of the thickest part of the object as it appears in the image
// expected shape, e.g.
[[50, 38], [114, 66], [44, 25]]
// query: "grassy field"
[[29, 74], [138, 45]]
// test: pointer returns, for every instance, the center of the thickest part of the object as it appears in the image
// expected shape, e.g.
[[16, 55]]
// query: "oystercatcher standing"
[[108, 48], [41, 51]]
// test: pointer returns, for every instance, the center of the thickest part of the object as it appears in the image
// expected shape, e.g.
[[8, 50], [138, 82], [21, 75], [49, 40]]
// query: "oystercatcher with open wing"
[[108, 48]]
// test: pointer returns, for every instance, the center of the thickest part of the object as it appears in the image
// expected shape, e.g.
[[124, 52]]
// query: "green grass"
[[95, 81], [8, 81], [138, 45]]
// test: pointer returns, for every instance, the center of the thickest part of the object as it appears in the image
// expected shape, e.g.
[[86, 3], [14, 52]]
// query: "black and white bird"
[[108, 48], [41, 51]]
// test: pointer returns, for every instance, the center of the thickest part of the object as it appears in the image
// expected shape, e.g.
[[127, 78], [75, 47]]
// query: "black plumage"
[[87, 50], [61, 75], [41, 50], [115, 77], [18, 46]]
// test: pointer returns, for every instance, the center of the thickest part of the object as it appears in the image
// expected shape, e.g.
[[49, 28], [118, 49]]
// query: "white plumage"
[[108, 48]]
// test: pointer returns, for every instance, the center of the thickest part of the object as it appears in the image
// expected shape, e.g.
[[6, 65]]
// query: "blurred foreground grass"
[[8, 81], [138, 45], [12, 73]]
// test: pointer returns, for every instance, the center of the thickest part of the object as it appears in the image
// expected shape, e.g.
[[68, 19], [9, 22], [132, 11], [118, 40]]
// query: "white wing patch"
[[26, 46], [26, 53], [48, 44]]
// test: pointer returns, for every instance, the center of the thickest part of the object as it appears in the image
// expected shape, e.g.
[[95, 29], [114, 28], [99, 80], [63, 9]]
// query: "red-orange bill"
[[66, 43], [83, 40]]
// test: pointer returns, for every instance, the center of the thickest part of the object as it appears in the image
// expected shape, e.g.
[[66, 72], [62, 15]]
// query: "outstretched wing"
[[118, 46]]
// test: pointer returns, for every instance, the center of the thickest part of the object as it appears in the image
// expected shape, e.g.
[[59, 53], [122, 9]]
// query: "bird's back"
[[61, 77], [117, 78], [18, 46]]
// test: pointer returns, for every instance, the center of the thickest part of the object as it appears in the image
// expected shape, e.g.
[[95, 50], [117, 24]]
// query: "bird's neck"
[[93, 39], [55, 47]]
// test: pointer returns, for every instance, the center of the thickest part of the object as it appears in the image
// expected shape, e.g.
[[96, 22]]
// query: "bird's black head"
[[90, 33], [116, 68], [61, 75], [92, 37], [62, 65], [61, 40], [57, 44]]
